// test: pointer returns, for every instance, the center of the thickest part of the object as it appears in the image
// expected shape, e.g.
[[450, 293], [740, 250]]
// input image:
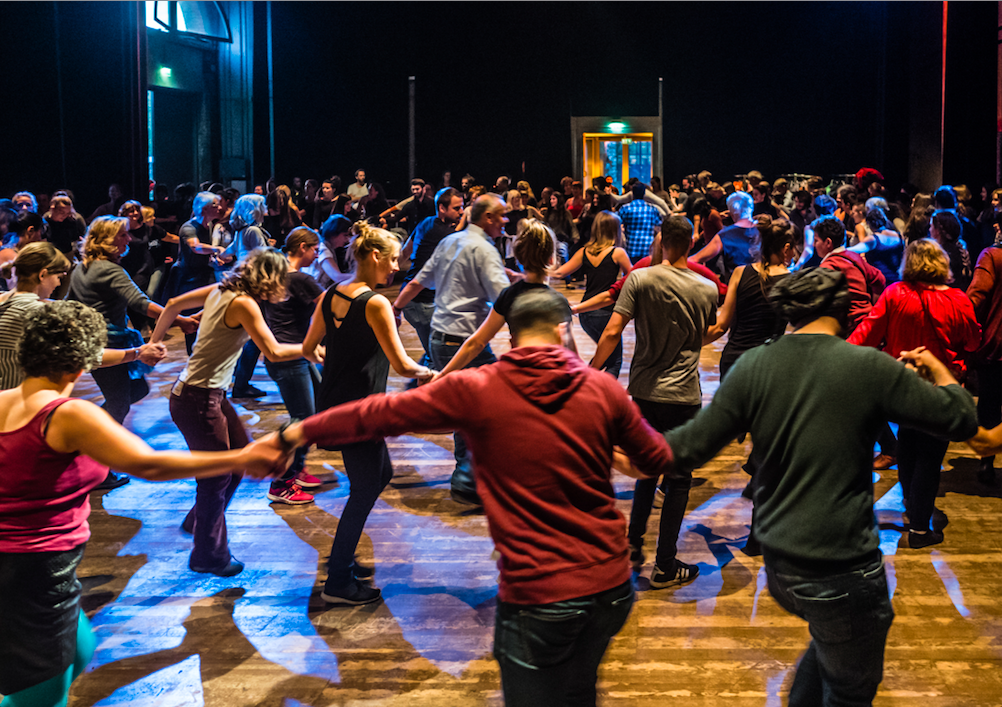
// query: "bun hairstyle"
[[32, 259], [809, 294], [534, 245], [367, 239]]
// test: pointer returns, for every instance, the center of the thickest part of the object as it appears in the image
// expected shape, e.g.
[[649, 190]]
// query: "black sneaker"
[[468, 498], [683, 575], [353, 594], [231, 568], [248, 392], [986, 472], [112, 481], [917, 540]]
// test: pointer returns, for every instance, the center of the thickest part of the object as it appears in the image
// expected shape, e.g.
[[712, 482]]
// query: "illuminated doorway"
[[620, 148], [621, 157]]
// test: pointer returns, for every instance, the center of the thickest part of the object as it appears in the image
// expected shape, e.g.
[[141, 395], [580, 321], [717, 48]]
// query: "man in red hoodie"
[[543, 472]]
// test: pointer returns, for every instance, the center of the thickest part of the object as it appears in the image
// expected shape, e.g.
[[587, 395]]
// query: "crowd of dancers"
[[832, 297]]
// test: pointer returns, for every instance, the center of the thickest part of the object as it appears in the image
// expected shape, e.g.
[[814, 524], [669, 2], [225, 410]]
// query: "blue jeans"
[[245, 366], [849, 616], [297, 380], [418, 315], [549, 653], [441, 353], [594, 324]]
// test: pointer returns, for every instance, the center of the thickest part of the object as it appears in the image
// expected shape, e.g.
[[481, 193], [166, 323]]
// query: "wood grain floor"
[[170, 637]]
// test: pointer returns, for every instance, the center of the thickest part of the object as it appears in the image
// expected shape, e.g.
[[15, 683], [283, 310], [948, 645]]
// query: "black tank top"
[[755, 321], [599, 278], [355, 365]]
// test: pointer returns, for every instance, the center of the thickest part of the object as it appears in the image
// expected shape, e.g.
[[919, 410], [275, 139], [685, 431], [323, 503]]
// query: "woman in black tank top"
[[358, 328], [602, 259]]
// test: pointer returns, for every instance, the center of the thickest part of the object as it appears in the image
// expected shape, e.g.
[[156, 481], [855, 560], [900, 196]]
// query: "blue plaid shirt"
[[640, 220]]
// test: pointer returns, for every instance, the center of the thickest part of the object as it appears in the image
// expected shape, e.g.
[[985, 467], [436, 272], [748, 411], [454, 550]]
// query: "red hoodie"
[[541, 426]]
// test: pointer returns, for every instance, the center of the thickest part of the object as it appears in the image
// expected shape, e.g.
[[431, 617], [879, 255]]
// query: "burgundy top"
[[44, 500], [865, 282], [909, 315], [985, 292], [697, 268], [542, 467]]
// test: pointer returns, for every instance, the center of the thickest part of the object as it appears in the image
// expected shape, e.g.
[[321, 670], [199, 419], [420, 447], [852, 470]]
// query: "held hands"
[[152, 354], [317, 355], [922, 362], [266, 457], [189, 325]]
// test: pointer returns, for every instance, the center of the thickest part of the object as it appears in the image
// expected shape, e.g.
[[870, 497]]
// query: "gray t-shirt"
[[672, 308]]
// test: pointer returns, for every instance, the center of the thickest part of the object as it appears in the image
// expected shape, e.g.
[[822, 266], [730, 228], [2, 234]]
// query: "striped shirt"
[[13, 312]]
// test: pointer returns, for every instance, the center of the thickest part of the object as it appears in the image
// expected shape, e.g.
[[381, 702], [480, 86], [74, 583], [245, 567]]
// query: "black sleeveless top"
[[755, 321], [599, 278], [355, 365]]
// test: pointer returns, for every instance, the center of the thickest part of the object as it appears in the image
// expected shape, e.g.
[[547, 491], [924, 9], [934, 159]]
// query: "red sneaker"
[[307, 481], [291, 494]]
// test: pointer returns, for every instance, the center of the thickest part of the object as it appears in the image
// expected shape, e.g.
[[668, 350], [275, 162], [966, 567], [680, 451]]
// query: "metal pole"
[[659, 153], [271, 100], [412, 161]]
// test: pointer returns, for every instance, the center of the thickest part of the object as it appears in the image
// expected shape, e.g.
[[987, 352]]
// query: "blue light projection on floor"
[[178, 685], [950, 582], [888, 509]]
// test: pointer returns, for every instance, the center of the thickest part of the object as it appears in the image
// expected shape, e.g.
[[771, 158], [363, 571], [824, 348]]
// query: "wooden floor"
[[170, 637]]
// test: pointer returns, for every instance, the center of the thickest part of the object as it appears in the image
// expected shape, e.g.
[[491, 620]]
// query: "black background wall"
[[780, 87]]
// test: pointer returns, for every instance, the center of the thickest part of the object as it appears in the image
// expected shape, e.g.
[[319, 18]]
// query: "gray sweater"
[[106, 287], [814, 405]]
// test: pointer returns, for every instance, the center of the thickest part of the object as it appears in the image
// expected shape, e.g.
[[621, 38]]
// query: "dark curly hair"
[[61, 337]]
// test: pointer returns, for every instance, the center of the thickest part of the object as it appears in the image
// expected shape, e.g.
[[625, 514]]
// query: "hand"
[[923, 362], [398, 316], [188, 325], [266, 457], [317, 355], [435, 375], [152, 354]]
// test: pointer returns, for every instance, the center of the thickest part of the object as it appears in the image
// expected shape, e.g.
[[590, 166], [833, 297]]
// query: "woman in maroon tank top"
[[53, 451]]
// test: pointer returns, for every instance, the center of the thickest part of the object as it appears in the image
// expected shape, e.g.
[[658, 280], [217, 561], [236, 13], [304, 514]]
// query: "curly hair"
[[261, 275], [100, 241], [61, 337]]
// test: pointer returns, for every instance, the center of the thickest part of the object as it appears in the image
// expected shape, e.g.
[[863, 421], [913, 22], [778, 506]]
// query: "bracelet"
[[135, 355]]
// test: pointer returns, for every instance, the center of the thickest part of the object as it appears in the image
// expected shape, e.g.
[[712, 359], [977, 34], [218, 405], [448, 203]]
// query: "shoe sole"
[[110, 487], [286, 501], [465, 500], [342, 601], [218, 574], [309, 484]]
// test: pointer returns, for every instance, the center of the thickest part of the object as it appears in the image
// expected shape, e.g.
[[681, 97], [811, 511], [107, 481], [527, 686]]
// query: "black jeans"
[[662, 417], [849, 616], [119, 390], [990, 395], [920, 462], [369, 471], [549, 653]]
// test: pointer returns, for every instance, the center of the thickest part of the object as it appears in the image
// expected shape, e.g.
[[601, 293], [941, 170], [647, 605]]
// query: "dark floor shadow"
[[961, 477], [108, 530], [210, 633]]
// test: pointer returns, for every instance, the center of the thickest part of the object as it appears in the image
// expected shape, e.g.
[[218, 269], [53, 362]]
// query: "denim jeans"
[[245, 366], [662, 417], [849, 616], [418, 315], [920, 460], [368, 467], [209, 424], [594, 324], [297, 382], [441, 354], [549, 653]]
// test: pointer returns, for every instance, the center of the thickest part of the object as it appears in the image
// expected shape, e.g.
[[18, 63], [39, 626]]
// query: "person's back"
[[810, 451], [736, 241], [673, 308]]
